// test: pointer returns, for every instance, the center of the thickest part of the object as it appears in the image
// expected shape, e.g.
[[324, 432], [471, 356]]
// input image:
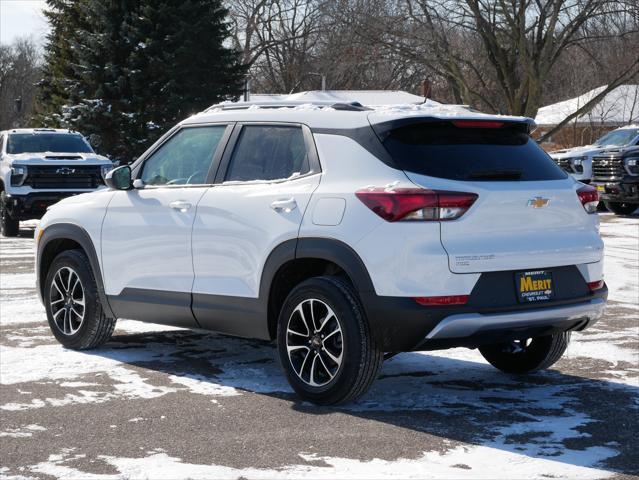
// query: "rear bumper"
[[401, 325], [472, 324]]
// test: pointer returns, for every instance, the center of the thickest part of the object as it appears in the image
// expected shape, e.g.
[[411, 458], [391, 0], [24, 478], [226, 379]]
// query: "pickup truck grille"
[[64, 177], [606, 168]]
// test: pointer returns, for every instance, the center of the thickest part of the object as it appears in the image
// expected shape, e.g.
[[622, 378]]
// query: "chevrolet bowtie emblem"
[[538, 202], [65, 171]]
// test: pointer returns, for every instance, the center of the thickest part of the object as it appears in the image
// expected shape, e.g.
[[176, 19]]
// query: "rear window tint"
[[440, 149]]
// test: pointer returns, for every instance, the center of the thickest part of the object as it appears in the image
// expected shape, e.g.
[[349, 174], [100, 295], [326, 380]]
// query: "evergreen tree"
[[102, 103], [58, 74], [181, 64], [133, 68]]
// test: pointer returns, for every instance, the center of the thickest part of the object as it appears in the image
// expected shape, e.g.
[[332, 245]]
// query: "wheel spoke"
[[311, 380], [290, 330], [60, 287], [69, 282], [301, 372], [65, 326], [329, 315], [337, 330], [57, 301], [337, 360], [293, 348], [76, 312], [77, 280], [325, 367], [313, 315], [300, 311]]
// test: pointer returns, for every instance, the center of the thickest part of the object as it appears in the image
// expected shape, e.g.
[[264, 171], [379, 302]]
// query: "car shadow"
[[565, 418]]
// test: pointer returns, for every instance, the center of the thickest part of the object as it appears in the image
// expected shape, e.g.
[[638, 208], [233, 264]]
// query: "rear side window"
[[268, 153], [443, 150]]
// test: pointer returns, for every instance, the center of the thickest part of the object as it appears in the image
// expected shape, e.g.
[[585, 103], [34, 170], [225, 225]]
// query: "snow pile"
[[434, 109], [365, 97], [619, 106]]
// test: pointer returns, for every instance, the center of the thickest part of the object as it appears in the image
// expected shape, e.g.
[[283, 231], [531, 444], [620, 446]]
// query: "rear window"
[[47, 142], [443, 150]]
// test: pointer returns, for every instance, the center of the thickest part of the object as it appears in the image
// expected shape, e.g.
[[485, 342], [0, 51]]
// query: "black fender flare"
[[339, 253], [320, 248], [69, 231]]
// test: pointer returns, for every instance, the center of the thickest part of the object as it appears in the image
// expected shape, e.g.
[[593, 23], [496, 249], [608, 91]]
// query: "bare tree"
[[19, 71], [500, 54]]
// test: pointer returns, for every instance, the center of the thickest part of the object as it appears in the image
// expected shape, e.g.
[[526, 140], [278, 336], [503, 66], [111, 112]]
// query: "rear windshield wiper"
[[495, 175]]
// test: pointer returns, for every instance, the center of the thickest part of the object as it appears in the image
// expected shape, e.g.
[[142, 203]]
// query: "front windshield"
[[47, 142], [618, 137]]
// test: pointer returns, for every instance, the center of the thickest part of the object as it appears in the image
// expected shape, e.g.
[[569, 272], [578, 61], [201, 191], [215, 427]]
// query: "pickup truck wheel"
[[73, 306], [9, 226], [621, 208], [527, 356], [325, 344]]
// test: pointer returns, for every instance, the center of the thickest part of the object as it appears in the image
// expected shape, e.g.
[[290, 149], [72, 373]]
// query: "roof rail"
[[348, 106]]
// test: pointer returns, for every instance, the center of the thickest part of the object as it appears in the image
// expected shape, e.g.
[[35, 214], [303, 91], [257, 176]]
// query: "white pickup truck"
[[578, 161], [39, 167]]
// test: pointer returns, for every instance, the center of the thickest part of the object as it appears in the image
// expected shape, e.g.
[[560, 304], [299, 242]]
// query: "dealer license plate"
[[534, 286]]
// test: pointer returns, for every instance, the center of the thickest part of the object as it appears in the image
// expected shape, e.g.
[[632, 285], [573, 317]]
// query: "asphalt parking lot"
[[161, 402]]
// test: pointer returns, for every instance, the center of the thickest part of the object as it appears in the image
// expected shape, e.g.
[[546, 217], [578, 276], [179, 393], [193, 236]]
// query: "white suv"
[[344, 233]]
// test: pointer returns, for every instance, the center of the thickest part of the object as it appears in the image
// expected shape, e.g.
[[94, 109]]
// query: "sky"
[[22, 18]]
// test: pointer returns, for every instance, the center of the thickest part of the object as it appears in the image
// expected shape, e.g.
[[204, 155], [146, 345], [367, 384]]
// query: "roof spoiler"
[[383, 129]]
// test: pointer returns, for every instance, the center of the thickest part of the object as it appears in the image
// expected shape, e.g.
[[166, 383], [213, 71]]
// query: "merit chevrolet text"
[[346, 234]]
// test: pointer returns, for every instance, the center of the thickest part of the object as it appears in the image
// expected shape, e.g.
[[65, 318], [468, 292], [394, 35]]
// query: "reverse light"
[[589, 198], [442, 301], [595, 285], [416, 204]]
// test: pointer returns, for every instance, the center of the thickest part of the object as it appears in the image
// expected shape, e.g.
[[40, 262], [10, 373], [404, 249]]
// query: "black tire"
[[527, 356], [95, 328], [9, 226], [360, 356], [621, 208]]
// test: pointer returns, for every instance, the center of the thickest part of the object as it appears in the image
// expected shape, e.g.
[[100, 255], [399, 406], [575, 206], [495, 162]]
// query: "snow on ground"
[[621, 265], [541, 425]]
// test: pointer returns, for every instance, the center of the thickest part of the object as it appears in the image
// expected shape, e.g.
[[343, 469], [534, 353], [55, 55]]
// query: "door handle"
[[180, 205], [286, 206]]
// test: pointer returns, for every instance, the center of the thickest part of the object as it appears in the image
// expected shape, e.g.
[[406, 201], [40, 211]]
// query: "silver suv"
[[39, 167]]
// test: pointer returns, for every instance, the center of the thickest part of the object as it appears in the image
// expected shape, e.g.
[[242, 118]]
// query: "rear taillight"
[[442, 301], [415, 204], [595, 285], [589, 198]]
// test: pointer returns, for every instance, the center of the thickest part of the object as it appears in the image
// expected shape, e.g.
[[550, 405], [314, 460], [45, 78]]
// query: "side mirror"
[[119, 178]]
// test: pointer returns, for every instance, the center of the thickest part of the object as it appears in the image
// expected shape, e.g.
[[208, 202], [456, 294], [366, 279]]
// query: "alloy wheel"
[[67, 301], [314, 342]]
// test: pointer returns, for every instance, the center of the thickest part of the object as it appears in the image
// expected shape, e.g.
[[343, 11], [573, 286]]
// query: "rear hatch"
[[527, 214]]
